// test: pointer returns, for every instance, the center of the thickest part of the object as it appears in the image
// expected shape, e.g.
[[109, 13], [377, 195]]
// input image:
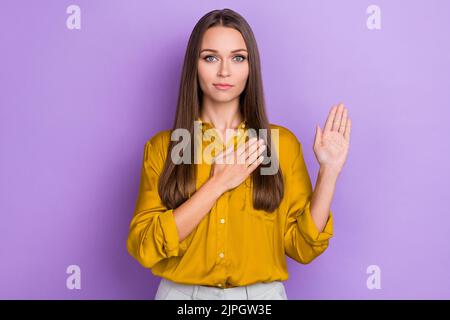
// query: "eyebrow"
[[212, 50]]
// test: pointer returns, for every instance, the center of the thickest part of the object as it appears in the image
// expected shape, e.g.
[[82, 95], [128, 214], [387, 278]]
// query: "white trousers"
[[169, 290]]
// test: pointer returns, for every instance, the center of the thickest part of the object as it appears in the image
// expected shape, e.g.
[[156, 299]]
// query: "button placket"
[[221, 238], [222, 205], [225, 258]]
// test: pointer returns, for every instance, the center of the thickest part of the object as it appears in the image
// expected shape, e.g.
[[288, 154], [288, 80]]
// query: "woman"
[[222, 229]]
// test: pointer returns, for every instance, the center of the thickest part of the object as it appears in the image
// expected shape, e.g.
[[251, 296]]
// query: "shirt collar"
[[207, 125]]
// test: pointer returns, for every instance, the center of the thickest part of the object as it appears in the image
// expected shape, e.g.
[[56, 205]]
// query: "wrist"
[[216, 186], [328, 172]]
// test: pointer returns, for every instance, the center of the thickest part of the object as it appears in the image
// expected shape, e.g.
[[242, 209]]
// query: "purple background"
[[77, 107]]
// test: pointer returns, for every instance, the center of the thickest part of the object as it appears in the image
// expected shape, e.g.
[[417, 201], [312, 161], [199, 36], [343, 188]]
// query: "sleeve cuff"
[[309, 229], [170, 232]]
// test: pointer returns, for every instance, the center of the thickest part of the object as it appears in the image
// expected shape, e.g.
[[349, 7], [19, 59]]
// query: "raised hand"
[[332, 144]]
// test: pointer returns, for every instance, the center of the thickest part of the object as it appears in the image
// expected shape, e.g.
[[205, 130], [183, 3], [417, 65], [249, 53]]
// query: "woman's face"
[[223, 60]]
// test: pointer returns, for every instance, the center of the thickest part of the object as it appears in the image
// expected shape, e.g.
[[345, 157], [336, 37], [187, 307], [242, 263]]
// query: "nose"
[[224, 70]]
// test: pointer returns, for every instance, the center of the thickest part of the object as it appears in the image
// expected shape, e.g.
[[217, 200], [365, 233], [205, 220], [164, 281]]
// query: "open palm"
[[331, 145]]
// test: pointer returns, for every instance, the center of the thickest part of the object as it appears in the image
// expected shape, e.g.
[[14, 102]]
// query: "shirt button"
[[221, 255], [222, 221]]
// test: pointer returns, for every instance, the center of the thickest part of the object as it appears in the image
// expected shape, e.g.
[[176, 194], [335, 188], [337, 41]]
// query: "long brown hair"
[[178, 181]]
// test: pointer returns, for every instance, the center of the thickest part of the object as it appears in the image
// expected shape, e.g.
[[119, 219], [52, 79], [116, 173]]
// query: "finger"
[[318, 136], [343, 121], [252, 157], [348, 128], [252, 149], [245, 145], [224, 155], [330, 119], [337, 118], [249, 145], [255, 164]]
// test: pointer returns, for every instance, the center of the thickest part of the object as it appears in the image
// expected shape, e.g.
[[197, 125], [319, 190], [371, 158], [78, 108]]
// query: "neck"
[[221, 115]]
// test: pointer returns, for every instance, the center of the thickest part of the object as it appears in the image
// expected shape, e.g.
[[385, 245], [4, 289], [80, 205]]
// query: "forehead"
[[223, 39]]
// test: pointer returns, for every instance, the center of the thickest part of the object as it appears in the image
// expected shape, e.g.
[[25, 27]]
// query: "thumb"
[[318, 136]]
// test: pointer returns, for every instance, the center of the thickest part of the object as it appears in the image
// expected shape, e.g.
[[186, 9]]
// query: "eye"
[[240, 56], [206, 58]]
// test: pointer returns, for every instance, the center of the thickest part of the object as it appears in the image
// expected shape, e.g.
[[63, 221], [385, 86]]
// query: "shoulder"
[[156, 146], [286, 137], [160, 138]]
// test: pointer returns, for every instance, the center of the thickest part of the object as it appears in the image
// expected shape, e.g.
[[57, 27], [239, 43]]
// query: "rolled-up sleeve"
[[303, 241], [153, 234]]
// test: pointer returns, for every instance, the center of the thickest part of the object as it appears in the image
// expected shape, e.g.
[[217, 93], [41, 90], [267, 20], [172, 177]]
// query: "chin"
[[223, 99]]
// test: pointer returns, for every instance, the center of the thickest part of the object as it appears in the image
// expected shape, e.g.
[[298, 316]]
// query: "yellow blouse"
[[234, 244]]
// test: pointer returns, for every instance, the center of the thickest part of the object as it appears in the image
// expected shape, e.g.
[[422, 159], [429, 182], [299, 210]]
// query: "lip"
[[222, 86]]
